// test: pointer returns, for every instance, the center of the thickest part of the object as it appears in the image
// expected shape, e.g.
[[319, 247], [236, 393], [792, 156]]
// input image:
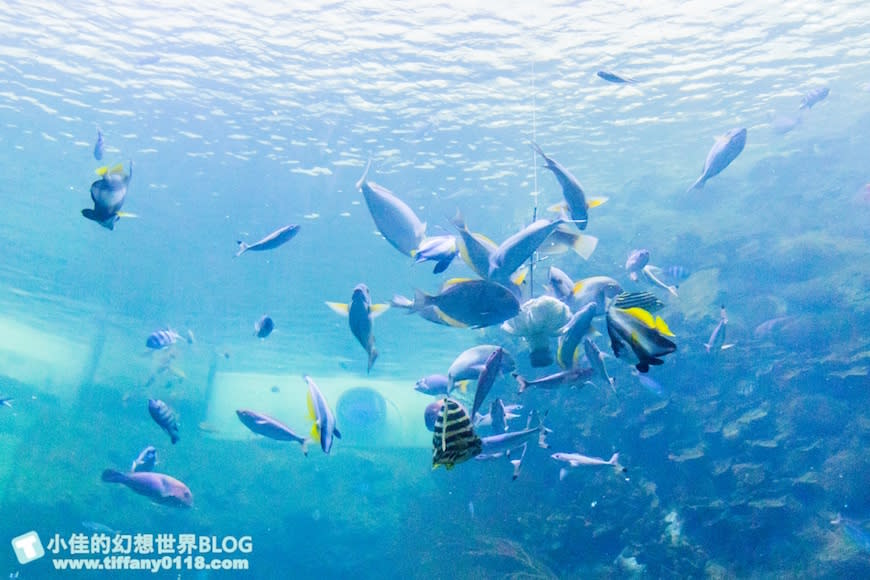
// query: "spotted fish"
[[454, 440]]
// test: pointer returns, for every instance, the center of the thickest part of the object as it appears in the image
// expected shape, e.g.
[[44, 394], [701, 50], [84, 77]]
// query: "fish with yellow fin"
[[454, 439], [108, 194], [324, 428], [646, 335], [361, 314]]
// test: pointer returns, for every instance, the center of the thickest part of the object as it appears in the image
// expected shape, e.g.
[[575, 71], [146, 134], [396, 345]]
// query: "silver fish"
[[277, 238], [724, 151], [108, 194], [324, 428], [717, 338], [438, 249], [360, 314], [596, 359], [649, 272], [577, 460], [571, 377], [146, 460], [264, 425], [397, 222], [505, 442]]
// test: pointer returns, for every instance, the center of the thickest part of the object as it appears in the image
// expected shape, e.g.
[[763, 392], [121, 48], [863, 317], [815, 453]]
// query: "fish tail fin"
[[365, 174], [243, 247], [373, 356], [174, 438], [305, 446], [614, 459], [400, 301], [521, 381], [563, 473], [584, 245], [458, 220], [419, 302], [114, 476]]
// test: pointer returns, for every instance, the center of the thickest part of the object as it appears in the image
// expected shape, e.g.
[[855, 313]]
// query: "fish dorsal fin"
[[596, 201], [339, 308], [453, 282], [377, 309], [641, 315], [662, 326]]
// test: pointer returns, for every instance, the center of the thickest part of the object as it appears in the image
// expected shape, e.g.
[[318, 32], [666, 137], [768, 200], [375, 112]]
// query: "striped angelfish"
[[454, 440]]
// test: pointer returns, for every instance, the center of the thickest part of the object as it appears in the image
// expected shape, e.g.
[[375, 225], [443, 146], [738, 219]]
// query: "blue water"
[[241, 119]]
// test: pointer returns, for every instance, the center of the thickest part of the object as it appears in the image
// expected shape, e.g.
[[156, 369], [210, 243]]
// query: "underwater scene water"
[[715, 255]]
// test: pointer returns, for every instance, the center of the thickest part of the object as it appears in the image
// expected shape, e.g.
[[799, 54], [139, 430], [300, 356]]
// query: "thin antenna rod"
[[534, 257]]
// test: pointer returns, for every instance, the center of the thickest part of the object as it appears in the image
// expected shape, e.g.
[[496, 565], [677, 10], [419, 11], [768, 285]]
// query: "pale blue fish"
[[596, 359], [560, 284], [569, 378], [487, 377], [438, 249], [518, 248], [645, 335], [361, 313], [636, 261], [267, 426], [475, 249], [469, 364], [435, 385], [724, 151], [813, 97], [277, 238], [146, 460], [99, 146], [396, 221], [324, 428], [108, 194], [572, 191], [573, 332], [474, 303], [595, 289]]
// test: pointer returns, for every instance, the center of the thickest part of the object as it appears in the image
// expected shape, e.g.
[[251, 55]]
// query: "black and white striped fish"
[[454, 440]]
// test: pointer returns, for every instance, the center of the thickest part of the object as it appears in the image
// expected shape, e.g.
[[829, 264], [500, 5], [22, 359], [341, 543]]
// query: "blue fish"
[[614, 78], [146, 460], [360, 315], [277, 238], [514, 251], [264, 327], [724, 151], [264, 425], [475, 249], [487, 378], [164, 416], [572, 191], [108, 194], [99, 146], [324, 428], [432, 385], [161, 488], [474, 303], [4, 402], [813, 97], [162, 338], [397, 222]]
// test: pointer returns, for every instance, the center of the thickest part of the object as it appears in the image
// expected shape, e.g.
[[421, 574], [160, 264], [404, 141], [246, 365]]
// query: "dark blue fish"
[[108, 194], [724, 151], [813, 97], [99, 146], [146, 460], [162, 339], [277, 238], [264, 327], [475, 303], [164, 416], [614, 78]]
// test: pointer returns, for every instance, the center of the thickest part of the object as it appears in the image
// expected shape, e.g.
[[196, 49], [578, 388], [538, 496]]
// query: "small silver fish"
[[277, 238], [146, 460], [576, 460], [724, 151]]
